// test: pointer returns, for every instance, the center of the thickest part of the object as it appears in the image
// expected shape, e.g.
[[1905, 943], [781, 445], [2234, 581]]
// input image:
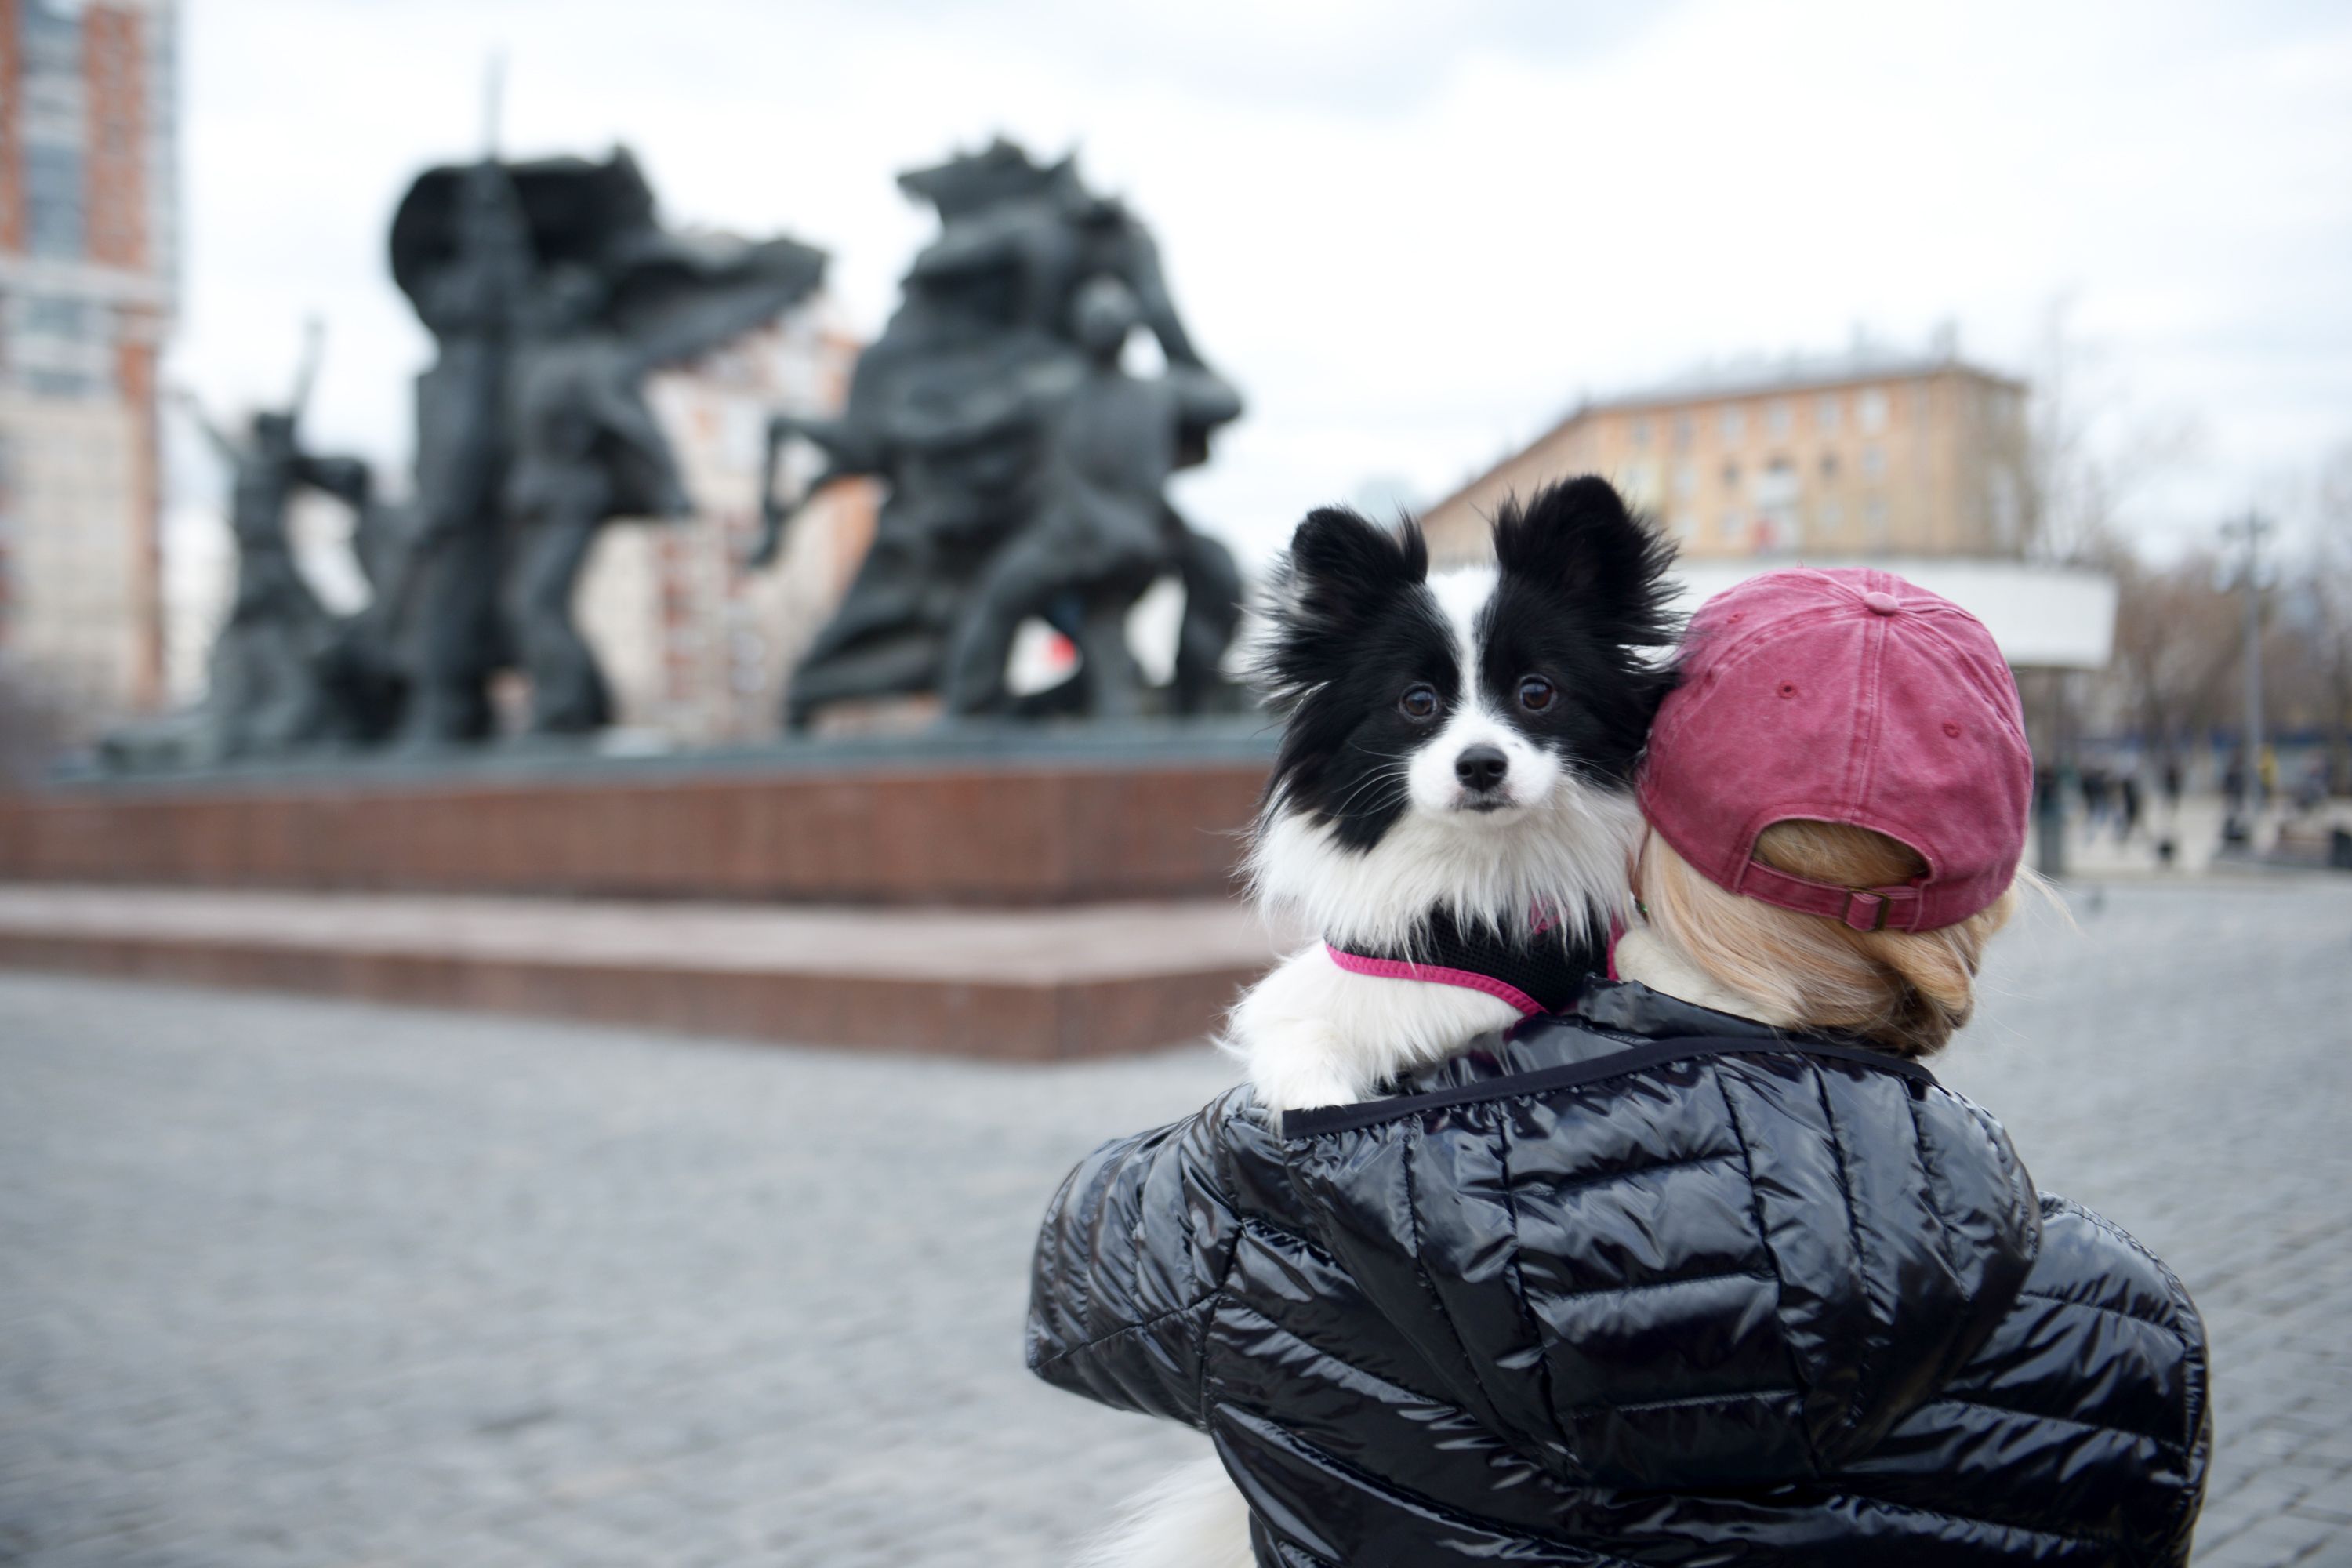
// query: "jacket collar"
[[1632, 1009], [1603, 1020]]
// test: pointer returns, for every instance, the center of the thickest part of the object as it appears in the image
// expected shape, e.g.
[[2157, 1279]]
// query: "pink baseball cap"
[[1847, 696]]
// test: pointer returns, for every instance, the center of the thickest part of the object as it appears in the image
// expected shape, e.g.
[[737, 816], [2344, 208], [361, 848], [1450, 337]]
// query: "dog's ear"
[[1340, 546], [1341, 565], [1579, 539], [1341, 570]]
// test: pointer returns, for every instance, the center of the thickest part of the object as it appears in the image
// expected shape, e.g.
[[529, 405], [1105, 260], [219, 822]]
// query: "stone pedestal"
[[1037, 902]]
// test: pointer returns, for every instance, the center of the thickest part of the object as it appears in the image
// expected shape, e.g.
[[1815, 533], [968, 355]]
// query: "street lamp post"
[[2250, 528]]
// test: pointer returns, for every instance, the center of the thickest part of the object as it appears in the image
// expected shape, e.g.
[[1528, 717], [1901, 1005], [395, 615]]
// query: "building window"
[[1873, 462], [1778, 418], [1829, 468], [1833, 516], [1641, 432], [49, 32], [8, 534], [1641, 484], [1687, 527], [1870, 408], [47, 382], [53, 316], [53, 204], [1735, 423], [1731, 527], [1685, 429], [1686, 479], [1731, 476], [1827, 410], [1873, 520]]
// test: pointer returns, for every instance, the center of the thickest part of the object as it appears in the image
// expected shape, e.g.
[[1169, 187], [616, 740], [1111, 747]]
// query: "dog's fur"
[[1368, 824]]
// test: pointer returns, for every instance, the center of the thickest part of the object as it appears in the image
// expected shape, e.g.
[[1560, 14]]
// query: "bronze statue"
[[553, 292], [462, 252], [1099, 530], [274, 671], [284, 671], [1025, 470]]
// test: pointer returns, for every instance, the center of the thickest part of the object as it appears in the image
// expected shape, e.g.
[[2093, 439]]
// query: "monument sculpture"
[[552, 292], [284, 670], [1025, 467], [461, 251]]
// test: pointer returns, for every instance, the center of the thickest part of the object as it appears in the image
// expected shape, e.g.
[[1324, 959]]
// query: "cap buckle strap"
[[1875, 909]]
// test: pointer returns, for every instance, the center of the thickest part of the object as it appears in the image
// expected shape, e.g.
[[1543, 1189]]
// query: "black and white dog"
[[1452, 808], [1456, 774]]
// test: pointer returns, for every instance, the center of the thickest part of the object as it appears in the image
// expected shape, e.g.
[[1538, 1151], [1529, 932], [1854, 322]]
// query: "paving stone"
[[320, 1284], [2276, 1543]]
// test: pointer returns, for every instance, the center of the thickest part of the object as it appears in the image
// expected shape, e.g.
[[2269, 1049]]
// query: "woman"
[[1708, 1269]]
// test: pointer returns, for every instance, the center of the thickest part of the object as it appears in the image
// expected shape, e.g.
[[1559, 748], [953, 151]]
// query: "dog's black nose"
[[1481, 767]]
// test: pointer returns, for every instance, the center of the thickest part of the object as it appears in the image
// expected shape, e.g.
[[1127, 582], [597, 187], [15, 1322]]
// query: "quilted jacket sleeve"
[[2093, 1392], [1133, 1254]]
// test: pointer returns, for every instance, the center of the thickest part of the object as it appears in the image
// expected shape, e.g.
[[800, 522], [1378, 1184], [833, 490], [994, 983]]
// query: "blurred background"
[[535, 567]]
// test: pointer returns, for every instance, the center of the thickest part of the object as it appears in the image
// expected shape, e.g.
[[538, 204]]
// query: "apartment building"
[[87, 262], [1871, 452]]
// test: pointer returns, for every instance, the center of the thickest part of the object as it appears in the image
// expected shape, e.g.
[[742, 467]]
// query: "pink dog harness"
[[1540, 969]]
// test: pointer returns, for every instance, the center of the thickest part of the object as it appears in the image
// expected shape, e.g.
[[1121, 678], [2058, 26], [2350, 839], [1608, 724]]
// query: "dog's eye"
[[1418, 702], [1536, 693]]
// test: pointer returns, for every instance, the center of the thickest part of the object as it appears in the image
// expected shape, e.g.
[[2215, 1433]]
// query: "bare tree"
[[2177, 645], [2329, 648], [2089, 451]]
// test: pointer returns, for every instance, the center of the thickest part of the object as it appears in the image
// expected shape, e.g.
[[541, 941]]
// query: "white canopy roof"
[[2043, 617]]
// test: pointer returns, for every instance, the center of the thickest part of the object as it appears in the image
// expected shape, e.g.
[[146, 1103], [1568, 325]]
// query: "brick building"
[[87, 264], [1865, 454]]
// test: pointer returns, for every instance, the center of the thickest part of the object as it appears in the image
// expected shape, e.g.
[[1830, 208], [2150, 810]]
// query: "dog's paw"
[[1299, 1068]]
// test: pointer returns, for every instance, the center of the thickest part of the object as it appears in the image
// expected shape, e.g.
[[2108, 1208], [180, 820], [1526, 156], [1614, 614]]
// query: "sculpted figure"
[[461, 250], [268, 688], [1025, 468], [554, 292], [587, 447], [1101, 531]]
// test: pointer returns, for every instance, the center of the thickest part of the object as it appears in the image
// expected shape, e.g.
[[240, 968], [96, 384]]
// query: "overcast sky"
[[1413, 234]]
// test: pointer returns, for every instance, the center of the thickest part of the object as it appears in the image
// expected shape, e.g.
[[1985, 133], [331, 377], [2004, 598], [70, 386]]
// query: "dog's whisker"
[[1390, 776]]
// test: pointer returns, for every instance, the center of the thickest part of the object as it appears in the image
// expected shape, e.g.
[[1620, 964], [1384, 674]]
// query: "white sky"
[[1412, 234]]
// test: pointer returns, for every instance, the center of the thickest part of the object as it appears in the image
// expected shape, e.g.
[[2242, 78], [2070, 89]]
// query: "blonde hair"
[[1908, 992]]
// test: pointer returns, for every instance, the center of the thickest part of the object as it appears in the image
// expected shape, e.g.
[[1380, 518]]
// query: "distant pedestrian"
[[2131, 806], [2172, 782], [2094, 786], [2313, 792]]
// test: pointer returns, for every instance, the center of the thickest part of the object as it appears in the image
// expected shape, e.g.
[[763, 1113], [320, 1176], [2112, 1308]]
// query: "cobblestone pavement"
[[301, 1283]]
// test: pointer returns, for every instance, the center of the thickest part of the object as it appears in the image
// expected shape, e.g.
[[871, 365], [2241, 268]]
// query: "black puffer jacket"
[[1650, 1285]]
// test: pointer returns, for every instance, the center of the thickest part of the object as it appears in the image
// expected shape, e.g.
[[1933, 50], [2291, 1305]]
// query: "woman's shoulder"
[[2102, 1334], [2089, 1262], [2086, 1411]]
